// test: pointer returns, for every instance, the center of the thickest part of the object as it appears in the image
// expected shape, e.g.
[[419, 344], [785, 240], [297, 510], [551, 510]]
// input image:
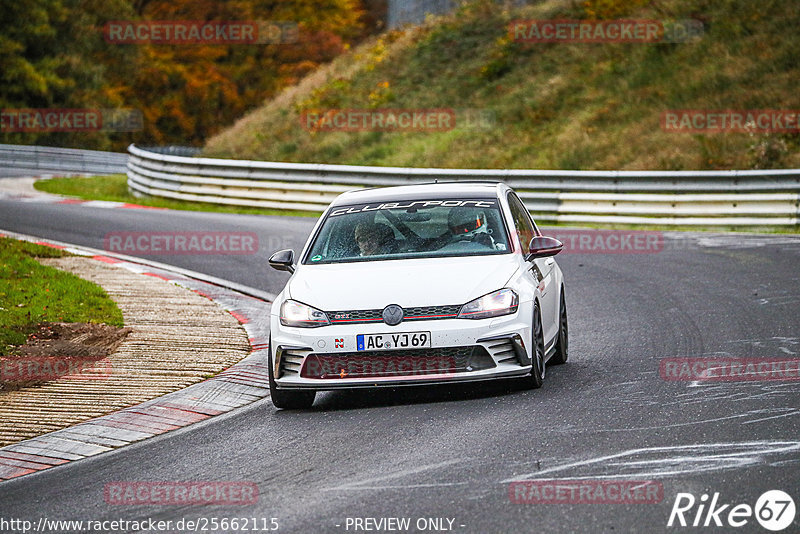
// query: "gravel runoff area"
[[177, 338]]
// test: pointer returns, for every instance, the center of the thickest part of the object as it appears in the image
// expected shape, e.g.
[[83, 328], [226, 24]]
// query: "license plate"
[[402, 340]]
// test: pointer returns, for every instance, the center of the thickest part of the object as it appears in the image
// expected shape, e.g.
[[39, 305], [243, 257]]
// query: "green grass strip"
[[31, 293], [114, 187]]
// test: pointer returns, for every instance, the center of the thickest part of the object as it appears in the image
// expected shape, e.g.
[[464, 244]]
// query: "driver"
[[374, 238], [469, 224]]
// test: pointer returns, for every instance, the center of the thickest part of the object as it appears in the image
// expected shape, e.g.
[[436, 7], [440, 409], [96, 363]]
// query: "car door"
[[541, 269]]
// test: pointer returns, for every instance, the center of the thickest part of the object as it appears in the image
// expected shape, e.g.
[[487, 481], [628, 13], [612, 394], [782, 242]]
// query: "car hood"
[[413, 282]]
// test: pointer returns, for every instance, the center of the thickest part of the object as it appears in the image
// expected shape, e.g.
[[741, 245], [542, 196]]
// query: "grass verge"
[[31, 294], [677, 228], [114, 187], [548, 105]]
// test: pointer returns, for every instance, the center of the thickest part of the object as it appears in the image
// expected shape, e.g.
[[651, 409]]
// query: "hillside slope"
[[549, 105]]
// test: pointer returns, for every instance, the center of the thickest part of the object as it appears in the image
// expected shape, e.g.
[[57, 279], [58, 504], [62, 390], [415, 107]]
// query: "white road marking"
[[788, 414], [671, 461], [390, 476]]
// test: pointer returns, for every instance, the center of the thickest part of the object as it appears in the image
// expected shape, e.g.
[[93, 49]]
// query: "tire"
[[562, 345], [536, 377], [287, 400]]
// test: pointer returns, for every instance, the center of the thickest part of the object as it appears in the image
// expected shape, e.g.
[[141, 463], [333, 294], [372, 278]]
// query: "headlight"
[[295, 313], [501, 302]]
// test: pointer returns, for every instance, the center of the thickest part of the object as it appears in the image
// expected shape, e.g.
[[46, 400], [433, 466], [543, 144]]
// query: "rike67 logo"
[[774, 510]]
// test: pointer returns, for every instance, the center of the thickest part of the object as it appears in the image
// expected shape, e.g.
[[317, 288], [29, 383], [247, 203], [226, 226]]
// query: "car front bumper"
[[503, 342]]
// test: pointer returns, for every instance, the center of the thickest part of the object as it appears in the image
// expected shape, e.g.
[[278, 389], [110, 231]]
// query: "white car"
[[431, 283]]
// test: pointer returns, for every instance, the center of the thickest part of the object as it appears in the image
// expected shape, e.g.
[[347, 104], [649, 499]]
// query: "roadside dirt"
[[177, 338], [59, 349]]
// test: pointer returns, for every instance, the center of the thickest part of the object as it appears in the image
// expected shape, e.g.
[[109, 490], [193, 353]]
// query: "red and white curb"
[[46, 198], [237, 386]]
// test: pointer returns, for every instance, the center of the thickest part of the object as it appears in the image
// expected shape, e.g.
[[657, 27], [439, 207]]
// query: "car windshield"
[[410, 229]]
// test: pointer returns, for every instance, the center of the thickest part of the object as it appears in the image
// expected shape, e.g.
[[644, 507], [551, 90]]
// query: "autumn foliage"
[[54, 55]]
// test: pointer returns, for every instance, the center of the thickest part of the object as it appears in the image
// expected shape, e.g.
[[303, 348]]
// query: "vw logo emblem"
[[392, 314]]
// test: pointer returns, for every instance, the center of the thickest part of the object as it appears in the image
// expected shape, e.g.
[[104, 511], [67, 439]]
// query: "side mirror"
[[543, 247], [283, 260]]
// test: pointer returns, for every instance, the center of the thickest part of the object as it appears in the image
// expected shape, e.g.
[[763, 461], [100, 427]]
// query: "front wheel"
[[287, 400], [562, 345], [536, 377]]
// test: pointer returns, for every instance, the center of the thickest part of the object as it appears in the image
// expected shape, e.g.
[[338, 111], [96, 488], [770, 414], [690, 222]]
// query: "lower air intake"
[[396, 363]]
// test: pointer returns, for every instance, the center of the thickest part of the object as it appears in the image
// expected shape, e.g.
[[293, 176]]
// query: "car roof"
[[423, 191]]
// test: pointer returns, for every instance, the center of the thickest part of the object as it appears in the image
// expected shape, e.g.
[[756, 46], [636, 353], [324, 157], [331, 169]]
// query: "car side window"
[[522, 222]]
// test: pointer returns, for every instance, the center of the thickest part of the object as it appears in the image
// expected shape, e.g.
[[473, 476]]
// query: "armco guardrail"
[[707, 198], [25, 160]]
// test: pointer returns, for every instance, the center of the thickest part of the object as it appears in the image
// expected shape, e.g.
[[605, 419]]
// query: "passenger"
[[469, 224]]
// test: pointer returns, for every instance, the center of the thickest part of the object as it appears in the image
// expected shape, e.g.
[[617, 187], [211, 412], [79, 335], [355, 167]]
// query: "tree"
[[54, 56]]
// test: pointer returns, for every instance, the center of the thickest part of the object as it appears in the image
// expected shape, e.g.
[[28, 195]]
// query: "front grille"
[[419, 313], [358, 316], [422, 313], [388, 363]]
